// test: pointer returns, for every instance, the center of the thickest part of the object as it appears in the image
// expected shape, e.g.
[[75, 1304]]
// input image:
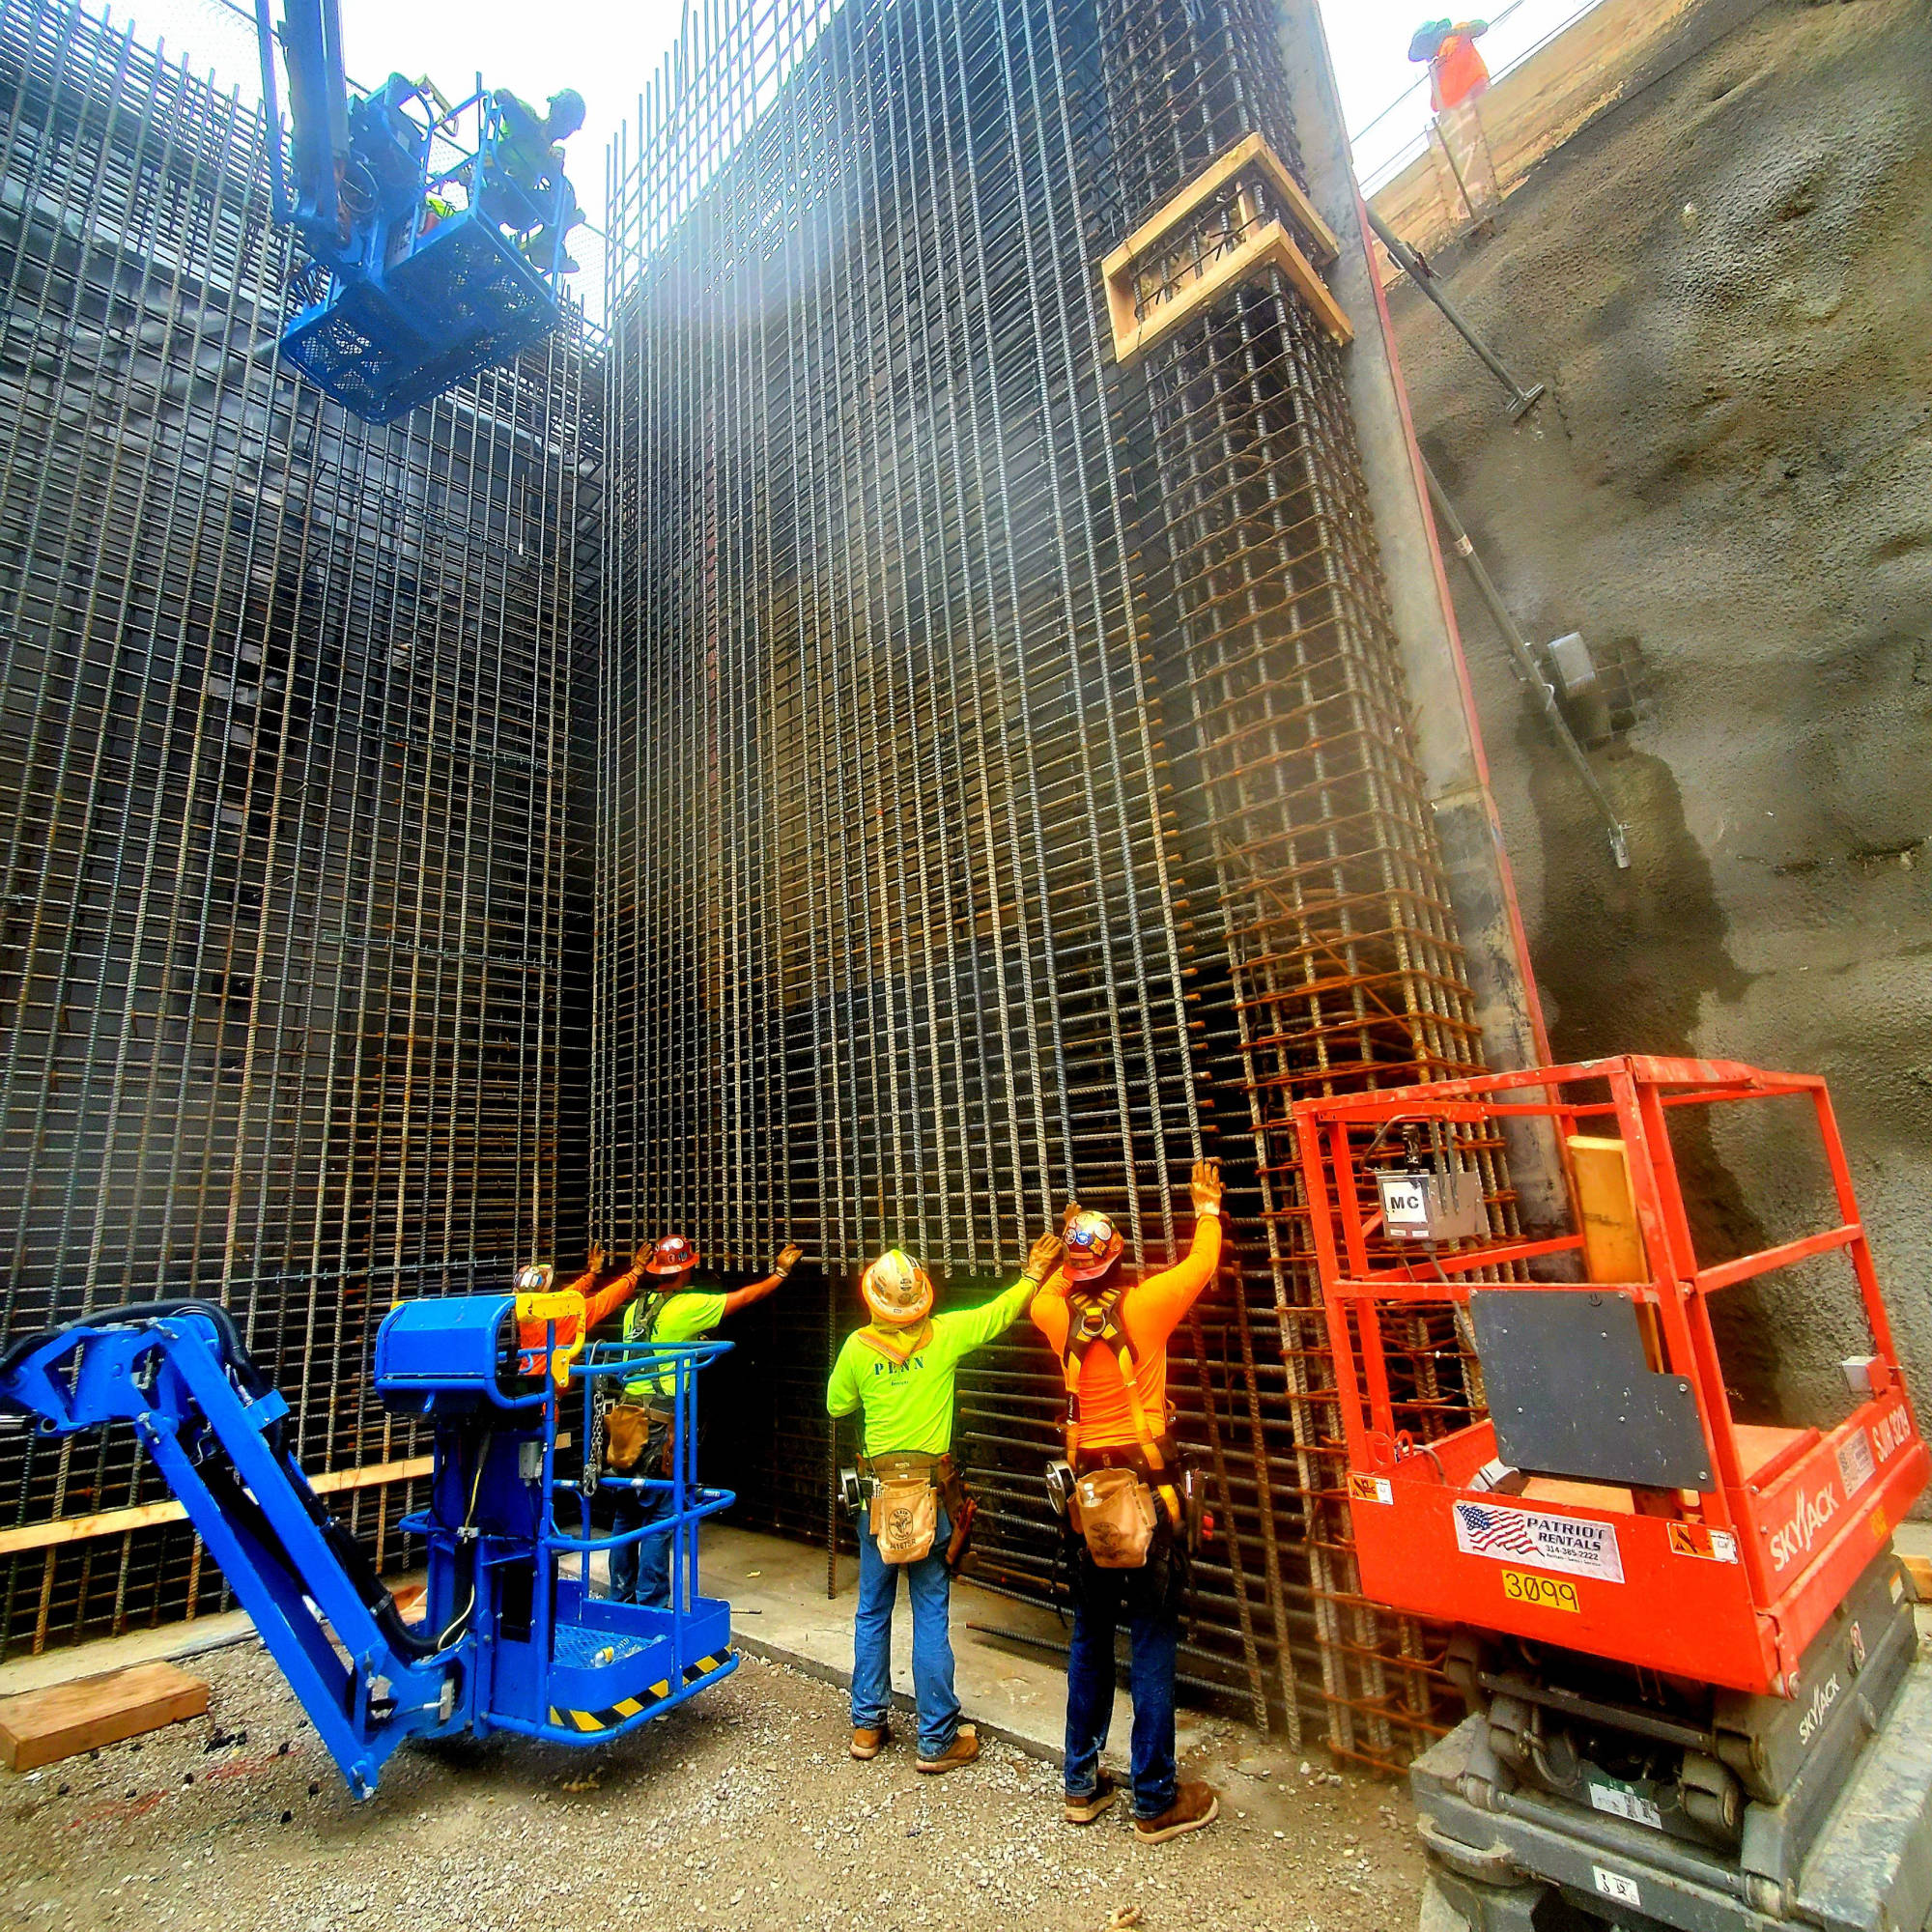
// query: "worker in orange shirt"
[[1458, 79], [1127, 1503], [1457, 72], [599, 1303]]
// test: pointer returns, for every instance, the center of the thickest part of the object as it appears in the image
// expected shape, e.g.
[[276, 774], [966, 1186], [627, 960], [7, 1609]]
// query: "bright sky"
[[606, 48]]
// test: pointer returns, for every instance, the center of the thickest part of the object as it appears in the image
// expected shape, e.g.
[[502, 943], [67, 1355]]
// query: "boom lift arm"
[[509, 1643]]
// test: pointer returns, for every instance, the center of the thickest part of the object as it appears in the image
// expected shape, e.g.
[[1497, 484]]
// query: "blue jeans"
[[640, 1572], [1152, 1605], [931, 1587]]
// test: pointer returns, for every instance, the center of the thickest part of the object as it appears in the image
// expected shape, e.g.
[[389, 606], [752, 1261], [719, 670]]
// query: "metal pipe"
[[1525, 659], [1416, 266]]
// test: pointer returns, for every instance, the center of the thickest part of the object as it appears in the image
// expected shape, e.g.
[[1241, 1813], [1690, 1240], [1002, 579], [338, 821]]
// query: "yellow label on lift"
[[1547, 1593]]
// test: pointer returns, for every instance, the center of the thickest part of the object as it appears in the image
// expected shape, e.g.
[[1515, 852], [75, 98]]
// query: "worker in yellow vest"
[[1126, 1504], [639, 1429], [900, 1370]]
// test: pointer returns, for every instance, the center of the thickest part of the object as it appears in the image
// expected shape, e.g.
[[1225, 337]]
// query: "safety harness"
[[1093, 1321]]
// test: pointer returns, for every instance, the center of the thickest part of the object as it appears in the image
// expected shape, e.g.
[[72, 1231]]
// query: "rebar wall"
[[1004, 788], [285, 704]]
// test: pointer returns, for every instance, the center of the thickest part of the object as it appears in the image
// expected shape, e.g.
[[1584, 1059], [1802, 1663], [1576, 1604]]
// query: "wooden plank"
[[1254, 150], [1920, 1570], [1613, 1240], [1269, 246], [117, 1522], [44, 1726]]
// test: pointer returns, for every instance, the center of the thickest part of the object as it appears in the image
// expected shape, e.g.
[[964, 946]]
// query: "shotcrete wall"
[[1724, 281]]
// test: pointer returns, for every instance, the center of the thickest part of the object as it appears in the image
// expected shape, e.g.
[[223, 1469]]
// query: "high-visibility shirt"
[[685, 1317], [1148, 1313], [606, 1301], [905, 1382], [1457, 72]]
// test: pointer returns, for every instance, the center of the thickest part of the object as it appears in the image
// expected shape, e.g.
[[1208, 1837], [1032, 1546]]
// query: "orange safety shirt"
[[1458, 71], [1150, 1312], [597, 1307]]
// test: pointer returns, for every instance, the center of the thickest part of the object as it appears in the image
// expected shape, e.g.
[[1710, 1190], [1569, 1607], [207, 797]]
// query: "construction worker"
[[640, 1430], [529, 157], [1458, 79], [900, 1370], [599, 1304], [1111, 1338]]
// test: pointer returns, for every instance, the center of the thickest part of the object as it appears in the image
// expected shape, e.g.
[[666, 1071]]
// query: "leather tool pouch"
[[1116, 1512], [905, 1517], [627, 1428]]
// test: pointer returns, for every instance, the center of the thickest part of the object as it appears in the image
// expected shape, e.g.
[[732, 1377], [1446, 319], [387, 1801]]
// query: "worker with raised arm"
[[638, 1431], [599, 1305], [900, 1370], [1127, 1503]]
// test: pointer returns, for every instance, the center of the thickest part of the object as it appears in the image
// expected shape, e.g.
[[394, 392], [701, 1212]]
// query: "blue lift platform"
[[510, 1641], [409, 299]]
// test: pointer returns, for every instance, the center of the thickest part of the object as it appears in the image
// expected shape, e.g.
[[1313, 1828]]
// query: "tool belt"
[[628, 1427], [905, 1489]]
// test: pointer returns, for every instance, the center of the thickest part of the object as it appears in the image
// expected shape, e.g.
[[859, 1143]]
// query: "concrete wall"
[[1725, 279]]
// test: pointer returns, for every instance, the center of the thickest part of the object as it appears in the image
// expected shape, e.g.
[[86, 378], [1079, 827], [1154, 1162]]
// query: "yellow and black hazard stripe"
[[591, 1721]]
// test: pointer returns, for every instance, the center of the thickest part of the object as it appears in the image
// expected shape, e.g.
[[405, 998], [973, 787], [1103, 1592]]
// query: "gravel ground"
[[740, 1810]]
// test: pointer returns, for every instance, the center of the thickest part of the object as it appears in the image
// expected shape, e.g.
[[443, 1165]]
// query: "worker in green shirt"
[[641, 1571], [900, 1369]]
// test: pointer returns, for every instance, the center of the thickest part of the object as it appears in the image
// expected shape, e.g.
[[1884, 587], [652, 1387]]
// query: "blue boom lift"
[[409, 299], [508, 1643]]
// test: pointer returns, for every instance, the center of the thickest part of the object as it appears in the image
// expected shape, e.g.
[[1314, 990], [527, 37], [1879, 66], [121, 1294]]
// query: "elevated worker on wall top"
[[1130, 1497], [912, 1508], [638, 1431]]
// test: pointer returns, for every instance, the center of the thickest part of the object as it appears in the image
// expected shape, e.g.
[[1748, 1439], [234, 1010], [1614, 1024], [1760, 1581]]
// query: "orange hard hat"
[[672, 1253], [1094, 1244], [896, 1290]]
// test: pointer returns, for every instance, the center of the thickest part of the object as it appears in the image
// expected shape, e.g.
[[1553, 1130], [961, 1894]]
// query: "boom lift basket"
[[1558, 1459]]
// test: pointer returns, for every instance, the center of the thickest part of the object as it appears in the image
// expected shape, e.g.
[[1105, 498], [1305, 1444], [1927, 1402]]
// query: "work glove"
[[1045, 1256], [1068, 1215], [1206, 1187], [595, 1265], [789, 1257]]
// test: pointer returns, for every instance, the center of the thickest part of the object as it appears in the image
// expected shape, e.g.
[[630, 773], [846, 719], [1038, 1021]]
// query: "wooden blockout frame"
[[1271, 245]]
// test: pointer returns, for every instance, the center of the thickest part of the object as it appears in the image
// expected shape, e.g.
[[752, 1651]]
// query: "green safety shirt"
[[906, 1385], [680, 1318]]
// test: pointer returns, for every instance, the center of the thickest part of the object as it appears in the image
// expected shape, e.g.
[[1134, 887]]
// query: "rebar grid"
[[908, 930], [285, 704]]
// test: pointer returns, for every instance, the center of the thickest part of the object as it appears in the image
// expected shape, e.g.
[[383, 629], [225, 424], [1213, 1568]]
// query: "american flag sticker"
[[1549, 1542]]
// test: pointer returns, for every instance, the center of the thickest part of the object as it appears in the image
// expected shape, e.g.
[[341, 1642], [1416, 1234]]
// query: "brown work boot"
[[868, 1740], [1084, 1810], [1194, 1806], [963, 1749]]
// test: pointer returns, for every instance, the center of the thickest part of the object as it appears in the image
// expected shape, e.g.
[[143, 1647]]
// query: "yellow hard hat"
[[896, 1290]]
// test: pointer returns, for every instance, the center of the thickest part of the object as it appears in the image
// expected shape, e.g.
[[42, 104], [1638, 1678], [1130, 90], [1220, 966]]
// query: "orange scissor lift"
[[1688, 1650]]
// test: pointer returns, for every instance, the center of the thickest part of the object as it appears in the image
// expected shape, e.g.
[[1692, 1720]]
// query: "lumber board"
[[42, 1726], [143, 1515]]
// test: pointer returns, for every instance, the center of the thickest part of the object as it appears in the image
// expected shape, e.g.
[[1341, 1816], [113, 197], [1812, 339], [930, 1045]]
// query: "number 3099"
[[1547, 1593]]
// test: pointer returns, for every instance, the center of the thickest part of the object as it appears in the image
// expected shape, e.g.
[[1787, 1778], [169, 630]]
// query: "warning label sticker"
[[1855, 1461], [1693, 1539], [1549, 1542], [1370, 1488]]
